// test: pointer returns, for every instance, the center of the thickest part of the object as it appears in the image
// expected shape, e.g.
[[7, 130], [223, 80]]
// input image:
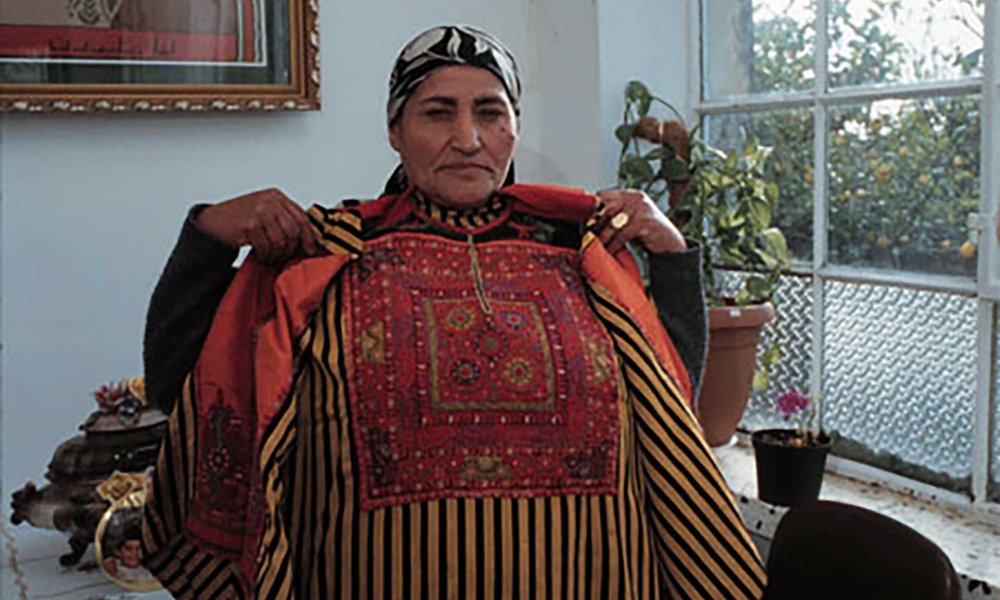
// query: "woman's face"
[[456, 136]]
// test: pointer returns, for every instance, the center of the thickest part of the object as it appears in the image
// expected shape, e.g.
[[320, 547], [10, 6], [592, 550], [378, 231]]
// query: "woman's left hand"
[[632, 216]]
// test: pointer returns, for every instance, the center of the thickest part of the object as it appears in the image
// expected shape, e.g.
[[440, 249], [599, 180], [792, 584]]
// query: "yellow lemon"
[[883, 241], [924, 180], [808, 176], [903, 151], [945, 244], [882, 172], [958, 161], [968, 249]]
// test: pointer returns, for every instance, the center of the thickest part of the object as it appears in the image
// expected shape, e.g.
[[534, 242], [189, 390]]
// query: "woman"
[[457, 390]]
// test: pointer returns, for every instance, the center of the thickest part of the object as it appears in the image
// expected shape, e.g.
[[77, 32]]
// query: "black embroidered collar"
[[473, 220]]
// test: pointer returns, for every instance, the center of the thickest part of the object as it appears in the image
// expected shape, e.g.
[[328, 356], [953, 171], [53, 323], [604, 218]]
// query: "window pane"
[[792, 331], [891, 41], [904, 176], [900, 379], [994, 486], [789, 133], [757, 47]]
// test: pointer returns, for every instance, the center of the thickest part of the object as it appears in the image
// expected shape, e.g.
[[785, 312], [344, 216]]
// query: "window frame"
[[986, 285]]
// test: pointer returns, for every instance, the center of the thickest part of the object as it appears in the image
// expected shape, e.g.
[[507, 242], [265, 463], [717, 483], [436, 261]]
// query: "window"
[[882, 116]]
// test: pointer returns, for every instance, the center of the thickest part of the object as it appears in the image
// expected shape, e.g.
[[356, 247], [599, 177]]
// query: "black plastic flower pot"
[[787, 474]]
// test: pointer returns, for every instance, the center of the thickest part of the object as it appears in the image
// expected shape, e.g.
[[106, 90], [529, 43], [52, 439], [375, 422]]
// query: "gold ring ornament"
[[118, 539], [620, 220]]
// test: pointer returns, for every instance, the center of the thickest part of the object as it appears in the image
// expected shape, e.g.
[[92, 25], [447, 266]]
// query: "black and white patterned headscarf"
[[445, 46]]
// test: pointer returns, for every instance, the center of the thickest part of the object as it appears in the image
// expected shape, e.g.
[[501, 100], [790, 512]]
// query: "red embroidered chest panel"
[[509, 392]]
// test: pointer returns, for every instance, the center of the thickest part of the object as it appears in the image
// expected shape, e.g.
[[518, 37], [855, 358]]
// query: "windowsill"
[[967, 536]]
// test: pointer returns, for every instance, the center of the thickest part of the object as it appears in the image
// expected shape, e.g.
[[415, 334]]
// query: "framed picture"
[[118, 544], [158, 55]]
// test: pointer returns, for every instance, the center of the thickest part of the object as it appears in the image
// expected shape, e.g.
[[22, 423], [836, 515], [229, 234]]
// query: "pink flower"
[[792, 401]]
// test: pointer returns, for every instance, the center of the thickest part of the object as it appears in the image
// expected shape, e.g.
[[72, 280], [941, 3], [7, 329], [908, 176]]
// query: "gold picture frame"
[[118, 543], [87, 56]]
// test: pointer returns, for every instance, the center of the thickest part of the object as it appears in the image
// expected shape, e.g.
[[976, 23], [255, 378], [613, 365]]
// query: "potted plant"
[[790, 461], [722, 201]]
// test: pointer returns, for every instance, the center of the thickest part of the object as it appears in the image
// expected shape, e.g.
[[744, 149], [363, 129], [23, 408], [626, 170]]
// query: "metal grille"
[[793, 333], [900, 373]]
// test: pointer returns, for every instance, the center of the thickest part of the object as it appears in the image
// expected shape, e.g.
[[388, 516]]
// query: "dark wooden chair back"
[[834, 550]]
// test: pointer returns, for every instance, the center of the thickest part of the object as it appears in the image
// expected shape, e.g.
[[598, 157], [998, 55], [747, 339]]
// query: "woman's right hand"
[[269, 221]]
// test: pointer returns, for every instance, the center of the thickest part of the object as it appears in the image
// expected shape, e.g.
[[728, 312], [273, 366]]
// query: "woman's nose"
[[466, 134]]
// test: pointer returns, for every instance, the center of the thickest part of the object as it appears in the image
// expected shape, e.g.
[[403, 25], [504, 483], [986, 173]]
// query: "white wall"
[[92, 204]]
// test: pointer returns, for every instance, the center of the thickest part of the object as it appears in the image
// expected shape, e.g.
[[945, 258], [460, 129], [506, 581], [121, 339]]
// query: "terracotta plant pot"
[[788, 475], [733, 333]]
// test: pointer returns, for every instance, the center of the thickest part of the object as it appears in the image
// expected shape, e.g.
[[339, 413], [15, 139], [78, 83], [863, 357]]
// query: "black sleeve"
[[677, 288], [182, 308]]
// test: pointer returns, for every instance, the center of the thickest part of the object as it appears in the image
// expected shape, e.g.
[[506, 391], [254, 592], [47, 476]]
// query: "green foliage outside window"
[[903, 175]]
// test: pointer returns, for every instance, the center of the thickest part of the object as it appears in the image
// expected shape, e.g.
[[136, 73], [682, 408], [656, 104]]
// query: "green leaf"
[[710, 178], [625, 133], [775, 243], [658, 153], [731, 256], [759, 380], [761, 213], [771, 356], [644, 103], [676, 170], [771, 192], [758, 287], [732, 161], [636, 91], [636, 166], [770, 261]]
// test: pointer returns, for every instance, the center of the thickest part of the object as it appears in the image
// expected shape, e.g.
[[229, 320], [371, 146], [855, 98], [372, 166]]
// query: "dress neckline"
[[466, 221]]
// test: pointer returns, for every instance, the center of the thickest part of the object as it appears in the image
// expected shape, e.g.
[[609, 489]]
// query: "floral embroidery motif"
[[448, 400], [467, 362], [223, 450]]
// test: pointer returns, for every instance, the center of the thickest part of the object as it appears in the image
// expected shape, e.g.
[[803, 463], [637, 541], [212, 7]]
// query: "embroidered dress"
[[472, 419]]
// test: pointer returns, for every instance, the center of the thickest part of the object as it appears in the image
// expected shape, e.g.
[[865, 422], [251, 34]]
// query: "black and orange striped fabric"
[[669, 528]]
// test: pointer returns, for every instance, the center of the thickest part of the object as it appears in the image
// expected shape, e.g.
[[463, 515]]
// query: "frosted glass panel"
[[793, 333], [900, 375]]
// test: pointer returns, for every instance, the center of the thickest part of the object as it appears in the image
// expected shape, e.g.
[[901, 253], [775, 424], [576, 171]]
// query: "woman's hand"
[[269, 221], [632, 216]]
